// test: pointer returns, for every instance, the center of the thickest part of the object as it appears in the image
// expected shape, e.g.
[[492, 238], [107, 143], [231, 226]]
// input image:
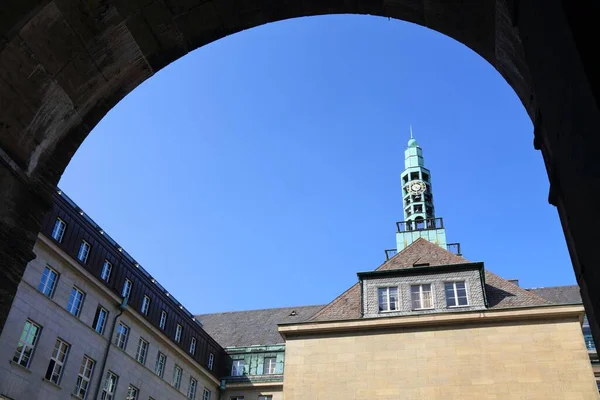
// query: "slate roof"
[[500, 292], [254, 327], [559, 294]]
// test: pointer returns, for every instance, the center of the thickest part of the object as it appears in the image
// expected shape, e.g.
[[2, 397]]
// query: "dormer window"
[[388, 299], [456, 294], [421, 297]]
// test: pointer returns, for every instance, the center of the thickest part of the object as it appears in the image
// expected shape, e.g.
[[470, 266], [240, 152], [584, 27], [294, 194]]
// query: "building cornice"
[[525, 314]]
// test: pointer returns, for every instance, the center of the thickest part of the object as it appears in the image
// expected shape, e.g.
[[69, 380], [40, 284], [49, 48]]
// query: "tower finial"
[[411, 135]]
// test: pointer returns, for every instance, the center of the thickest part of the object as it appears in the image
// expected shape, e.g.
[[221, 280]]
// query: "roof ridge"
[[262, 309], [551, 287]]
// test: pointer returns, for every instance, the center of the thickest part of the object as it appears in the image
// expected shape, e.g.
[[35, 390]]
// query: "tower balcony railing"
[[420, 225]]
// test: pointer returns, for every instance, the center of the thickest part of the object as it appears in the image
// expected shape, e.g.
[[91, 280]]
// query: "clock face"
[[416, 187]]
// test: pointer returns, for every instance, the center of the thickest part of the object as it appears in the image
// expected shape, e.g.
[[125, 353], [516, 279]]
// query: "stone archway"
[[65, 63]]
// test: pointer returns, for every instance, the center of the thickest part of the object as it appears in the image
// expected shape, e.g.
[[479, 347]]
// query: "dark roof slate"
[[253, 327], [569, 294]]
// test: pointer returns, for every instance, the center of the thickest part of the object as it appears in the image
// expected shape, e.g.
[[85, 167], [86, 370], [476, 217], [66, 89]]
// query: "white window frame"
[[271, 367], [145, 305], [58, 232], [206, 394], [48, 281], [142, 351], [421, 291], [192, 388], [132, 393], [455, 294], [84, 251], [28, 341], [75, 303], [57, 361], [102, 321], [388, 303], [235, 368], [126, 291], [177, 375], [265, 397], [106, 271], [110, 386], [193, 346], [84, 377], [163, 320], [211, 361], [178, 331], [122, 336], [161, 362]]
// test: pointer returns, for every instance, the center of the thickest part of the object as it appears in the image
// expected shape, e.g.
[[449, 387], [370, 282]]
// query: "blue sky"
[[263, 170]]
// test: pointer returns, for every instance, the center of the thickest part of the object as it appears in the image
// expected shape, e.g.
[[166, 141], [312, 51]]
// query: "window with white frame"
[[456, 294], [267, 397], [211, 361], [269, 365], [48, 282], [75, 301], [100, 319], [142, 351], [58, 232], [388, 298], [206, 394], [132, 393], [178, 333], [84, 377], [177, 373], [237, 369], [110, 386], [161, 361], [84, 251], [122, 336], [421, 296], [145, 305], [163, 319], [126, 288], [27, 343], [57, 361], [106, 270], [193, 346], [193, 386]]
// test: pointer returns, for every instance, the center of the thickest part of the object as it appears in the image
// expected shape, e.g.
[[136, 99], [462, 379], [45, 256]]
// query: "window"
[[84, 251], [106, 270], [57, 361], [178, 333], [126, 288], [110, 386], [456, 294], [237, 398], [145, 305], [163, 319], [193, 346], [159, 368], [27, 343], [48, 282], [132, 393], [177, 372], [122, 336], [269, 397], [421, 296], [211, 361], [75, 301], [388, 299], [206, 394], [191, 394], [269, 365], [59, 230], [142, 351], [84, 377], [237, 369], [100, 320]]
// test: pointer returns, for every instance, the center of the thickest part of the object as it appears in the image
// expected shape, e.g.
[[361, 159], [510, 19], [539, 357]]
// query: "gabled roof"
[[500, 292], [569, 294], [253, 327]]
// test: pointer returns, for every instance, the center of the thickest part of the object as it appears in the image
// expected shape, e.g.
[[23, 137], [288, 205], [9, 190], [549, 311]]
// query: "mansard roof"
[[253, 327], [500, 292]]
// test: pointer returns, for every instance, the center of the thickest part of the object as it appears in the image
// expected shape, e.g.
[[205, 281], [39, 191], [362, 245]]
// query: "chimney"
[[515, 281]]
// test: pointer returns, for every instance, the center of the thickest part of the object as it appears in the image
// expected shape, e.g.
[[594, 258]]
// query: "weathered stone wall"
[[507, 360]]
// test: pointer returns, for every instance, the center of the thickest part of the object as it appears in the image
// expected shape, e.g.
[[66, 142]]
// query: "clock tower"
[[417, 200]]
